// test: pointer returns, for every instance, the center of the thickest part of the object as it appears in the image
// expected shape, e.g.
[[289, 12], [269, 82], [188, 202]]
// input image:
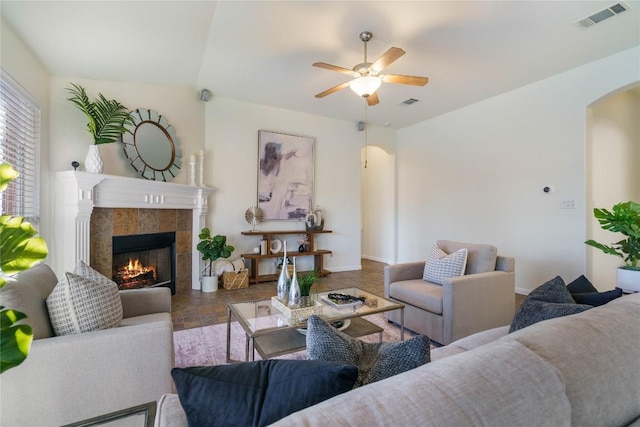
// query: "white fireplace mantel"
[[77, 193]]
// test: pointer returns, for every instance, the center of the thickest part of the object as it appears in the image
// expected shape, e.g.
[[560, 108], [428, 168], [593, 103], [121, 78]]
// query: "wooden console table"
[[318, 254]]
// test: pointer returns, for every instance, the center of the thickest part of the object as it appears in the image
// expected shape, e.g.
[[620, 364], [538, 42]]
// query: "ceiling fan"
[[367, 76]]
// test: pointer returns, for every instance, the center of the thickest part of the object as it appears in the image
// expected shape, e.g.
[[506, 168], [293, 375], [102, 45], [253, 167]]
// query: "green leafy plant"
[[212, 248], [107, 118], [622, 218], [20, 249], [306, 281]]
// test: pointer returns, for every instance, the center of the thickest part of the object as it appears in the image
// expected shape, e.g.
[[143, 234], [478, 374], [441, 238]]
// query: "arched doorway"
[[613, 175], [378, 204]]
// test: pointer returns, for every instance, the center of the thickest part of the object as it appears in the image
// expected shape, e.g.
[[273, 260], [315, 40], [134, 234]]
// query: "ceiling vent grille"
[[409, 101], [603, 14]]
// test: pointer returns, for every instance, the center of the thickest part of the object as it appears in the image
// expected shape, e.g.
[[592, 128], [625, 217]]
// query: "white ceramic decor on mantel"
[[77, 193], [93, 162]]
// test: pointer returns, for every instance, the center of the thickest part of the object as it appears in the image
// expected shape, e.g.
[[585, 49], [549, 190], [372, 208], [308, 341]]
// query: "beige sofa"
[[580, 370], [481, 299], [75, 377]]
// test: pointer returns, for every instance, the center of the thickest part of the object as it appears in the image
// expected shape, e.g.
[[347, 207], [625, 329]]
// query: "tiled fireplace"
[[93, 211]]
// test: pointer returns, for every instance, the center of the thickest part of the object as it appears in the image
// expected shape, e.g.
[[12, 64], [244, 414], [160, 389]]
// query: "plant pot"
[[209, 283], [628, 280], [93, 162]]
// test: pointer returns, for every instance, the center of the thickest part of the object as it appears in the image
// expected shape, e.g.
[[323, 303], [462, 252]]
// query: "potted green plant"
[[20, 249], [306, 281], [212, 248], [107, 120], [622, 218]]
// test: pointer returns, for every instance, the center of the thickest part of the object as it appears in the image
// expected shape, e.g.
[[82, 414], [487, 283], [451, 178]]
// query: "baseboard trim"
[[522, 291], [372, 258], [345, 268]]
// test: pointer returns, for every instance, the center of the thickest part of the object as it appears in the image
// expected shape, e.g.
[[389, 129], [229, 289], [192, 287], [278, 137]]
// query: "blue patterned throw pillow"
[[548, 301], [375, 362]]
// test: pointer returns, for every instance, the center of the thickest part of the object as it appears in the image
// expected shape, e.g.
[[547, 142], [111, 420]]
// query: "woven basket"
[[235, 279]]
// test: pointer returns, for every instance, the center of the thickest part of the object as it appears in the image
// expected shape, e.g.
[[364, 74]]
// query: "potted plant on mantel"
[[107, 120], [212, 248], [623, 218]]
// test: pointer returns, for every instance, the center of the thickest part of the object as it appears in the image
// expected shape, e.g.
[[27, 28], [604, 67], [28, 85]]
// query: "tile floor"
[[193, 309]]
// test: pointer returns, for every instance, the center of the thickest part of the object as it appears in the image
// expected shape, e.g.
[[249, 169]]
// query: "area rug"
[[207, 345]]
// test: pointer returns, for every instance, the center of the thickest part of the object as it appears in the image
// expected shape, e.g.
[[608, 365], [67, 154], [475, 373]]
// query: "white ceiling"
[[262, 51]]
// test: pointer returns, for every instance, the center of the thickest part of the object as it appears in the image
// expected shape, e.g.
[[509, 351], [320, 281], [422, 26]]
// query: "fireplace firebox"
[[145, 260]]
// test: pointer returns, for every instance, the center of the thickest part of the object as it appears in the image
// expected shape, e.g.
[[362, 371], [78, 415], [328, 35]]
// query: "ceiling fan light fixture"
[[366, 85]]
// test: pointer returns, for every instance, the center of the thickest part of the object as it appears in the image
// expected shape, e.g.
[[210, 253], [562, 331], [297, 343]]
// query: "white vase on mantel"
[[93, 162]]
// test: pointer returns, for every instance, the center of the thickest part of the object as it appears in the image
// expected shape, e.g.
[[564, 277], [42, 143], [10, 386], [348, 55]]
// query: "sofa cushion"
[[375, 361], [598, 358], [257, 393], [417, 293], [481, 257], [78, 304], [27, 292], [550, 300], [440, 265], [499, 384]]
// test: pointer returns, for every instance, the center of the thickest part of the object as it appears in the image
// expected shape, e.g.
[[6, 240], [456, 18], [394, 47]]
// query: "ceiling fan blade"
[[333, 68], [333, 89], [372, 99], [387, 58], [405, 80]]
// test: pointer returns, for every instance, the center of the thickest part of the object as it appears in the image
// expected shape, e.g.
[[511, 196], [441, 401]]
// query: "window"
[[19, 145]]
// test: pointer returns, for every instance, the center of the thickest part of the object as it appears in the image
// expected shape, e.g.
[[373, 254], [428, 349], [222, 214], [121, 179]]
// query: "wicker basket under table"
[[235, 279]]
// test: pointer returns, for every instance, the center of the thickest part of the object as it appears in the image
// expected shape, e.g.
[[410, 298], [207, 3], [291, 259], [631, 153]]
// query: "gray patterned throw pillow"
[[375, 362], [440, 265], [79, 304]]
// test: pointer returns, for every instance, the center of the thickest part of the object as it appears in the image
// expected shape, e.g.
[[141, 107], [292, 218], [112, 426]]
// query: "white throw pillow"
[[440, 265], [79, 304]]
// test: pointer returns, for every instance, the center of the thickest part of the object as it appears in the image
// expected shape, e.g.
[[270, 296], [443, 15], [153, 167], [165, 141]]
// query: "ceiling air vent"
[[603, 14], [409, 101]]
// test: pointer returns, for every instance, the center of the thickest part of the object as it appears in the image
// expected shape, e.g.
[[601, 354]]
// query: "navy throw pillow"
[[581, 285], [257, 393], [548, 301], [597, 298]]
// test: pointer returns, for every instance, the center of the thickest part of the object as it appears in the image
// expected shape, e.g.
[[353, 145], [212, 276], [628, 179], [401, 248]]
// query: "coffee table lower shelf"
[[290, 340]]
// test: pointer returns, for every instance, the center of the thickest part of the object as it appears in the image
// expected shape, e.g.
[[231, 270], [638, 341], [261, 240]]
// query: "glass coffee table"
[[272, 333]]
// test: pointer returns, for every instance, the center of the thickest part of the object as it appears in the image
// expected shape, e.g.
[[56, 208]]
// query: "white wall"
[[614, 177], [477, 174], [232, 164], [26, 68]]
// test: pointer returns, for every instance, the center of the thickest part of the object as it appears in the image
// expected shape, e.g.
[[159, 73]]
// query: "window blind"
[[19, 144]]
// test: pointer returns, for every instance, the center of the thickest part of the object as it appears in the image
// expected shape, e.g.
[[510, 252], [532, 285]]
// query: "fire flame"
[[135, 268]]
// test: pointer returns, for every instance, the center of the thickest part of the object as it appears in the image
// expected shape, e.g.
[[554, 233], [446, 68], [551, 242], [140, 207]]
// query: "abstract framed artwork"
[[285, 175]]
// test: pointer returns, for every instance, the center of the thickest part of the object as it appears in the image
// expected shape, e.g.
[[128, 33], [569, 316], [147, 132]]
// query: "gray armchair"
[[70, 378], [483, 298]]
